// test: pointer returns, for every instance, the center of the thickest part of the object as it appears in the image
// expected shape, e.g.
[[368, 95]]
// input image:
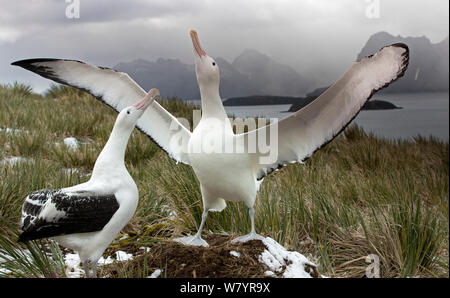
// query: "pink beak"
[[196, 43], [147, 100]]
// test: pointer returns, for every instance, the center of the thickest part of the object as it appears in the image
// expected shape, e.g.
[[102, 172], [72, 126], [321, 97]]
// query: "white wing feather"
[[316, 124], [117, 90]]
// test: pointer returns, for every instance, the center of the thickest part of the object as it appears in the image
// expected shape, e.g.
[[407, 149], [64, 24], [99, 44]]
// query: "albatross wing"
[[117, 90], [49, 213], [316, 124]]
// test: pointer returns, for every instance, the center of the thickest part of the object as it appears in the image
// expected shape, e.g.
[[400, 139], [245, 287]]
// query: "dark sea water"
[[422, 114]]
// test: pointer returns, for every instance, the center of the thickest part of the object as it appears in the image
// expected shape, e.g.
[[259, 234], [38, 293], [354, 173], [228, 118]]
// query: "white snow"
[[14, 160], [4, 271], [155, 274], [71, 171], [5, 258], [73, 263], [276, 256], [269, 273], [13, 131], [235, 254], [71, 142], [146, 249], [102, 261], [123, 256]]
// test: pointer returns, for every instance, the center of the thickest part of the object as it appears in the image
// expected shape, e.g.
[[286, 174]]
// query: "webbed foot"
[[192, 240]]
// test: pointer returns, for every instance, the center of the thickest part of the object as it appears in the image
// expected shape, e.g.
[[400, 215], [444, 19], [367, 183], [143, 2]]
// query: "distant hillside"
[[250, 73], [428, 68], [255, 73], [265, 76], [370, 105], [170, 76], [260, 100]]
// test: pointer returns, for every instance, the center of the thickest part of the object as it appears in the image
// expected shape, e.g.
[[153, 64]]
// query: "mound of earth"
[[166, 258]]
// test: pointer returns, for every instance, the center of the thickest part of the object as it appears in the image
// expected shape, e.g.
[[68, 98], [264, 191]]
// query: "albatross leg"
[[252, 235], [94, 269], [86, 268], [195, 240]]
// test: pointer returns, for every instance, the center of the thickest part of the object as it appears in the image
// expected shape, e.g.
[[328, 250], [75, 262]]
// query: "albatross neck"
[[112, 157], [212, 103]]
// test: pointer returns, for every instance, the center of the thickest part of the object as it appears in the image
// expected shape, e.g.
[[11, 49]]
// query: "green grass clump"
[[357, 196]]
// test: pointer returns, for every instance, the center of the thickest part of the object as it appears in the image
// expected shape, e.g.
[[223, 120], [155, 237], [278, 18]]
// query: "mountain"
[[253, 73], [428, 68], [255, 100], [265, 76], [172, 77], [370, 105], [249, 74]]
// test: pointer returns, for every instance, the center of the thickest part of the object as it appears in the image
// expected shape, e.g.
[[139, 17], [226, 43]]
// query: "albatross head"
[[131, 114], [206, 68]]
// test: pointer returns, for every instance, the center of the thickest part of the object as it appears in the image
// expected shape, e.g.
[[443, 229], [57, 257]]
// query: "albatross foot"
[[248, 237], [192, 240]]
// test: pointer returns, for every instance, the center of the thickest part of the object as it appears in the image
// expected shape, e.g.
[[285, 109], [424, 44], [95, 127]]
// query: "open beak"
[[152, 95], [196, 42]]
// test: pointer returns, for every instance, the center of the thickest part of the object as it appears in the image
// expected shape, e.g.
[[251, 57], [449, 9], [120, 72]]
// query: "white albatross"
[[88, 216], [234, 176]]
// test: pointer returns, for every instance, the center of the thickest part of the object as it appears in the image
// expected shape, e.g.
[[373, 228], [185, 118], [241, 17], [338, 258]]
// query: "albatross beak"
[[196, 42], [152, 95]]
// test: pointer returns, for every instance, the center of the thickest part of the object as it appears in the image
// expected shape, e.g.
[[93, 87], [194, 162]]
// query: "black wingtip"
[[401, 45], [20, 63], [27, 62]]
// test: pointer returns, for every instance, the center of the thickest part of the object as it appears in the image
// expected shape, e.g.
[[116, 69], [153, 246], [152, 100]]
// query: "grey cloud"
[[317, 38]]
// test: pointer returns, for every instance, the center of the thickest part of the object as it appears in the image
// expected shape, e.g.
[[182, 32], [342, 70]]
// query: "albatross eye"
[[128, 112], [214, 63]]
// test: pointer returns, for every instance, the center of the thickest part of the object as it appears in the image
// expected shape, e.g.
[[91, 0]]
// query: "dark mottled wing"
[[117, 90], [316, 124], [49, 213]]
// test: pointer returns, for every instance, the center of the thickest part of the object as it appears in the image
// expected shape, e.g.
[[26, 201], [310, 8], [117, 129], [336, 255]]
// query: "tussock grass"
[[359, 195]]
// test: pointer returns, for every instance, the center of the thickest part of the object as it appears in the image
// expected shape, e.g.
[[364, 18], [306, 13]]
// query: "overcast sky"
[[318, 38]]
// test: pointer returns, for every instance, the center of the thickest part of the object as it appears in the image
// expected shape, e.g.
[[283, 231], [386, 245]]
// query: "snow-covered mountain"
[[250, 73]]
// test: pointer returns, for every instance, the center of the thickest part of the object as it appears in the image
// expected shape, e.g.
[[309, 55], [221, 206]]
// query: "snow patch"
[[102, 261], [13, 131], [71, 171], [73, 264], [275, 257], [4, 271], [123, 256], [14, 160], [146, 249], [269, 273], [155, 274], [235, 254], [71, 142]]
